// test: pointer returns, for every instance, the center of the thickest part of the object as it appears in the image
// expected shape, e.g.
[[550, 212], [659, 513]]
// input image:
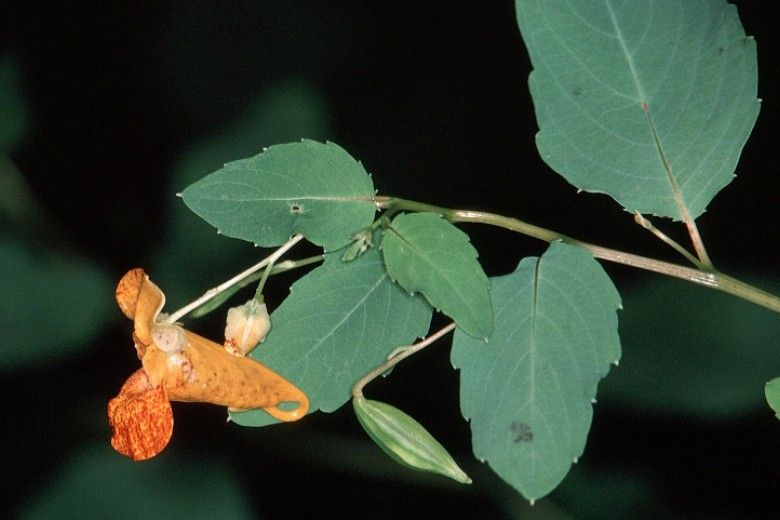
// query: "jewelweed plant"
[[649, 102]]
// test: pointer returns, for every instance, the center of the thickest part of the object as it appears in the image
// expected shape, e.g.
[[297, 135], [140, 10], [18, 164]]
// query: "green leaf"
[[772, 392], [405, 439], [282, 112], [50, 307], [99, 483], [693, 351], [314, 189], [528, 392], [611, 77], [340, 321], [425, 253]]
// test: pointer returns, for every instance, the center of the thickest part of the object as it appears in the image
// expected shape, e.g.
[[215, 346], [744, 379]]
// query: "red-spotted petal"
[[141, 417]]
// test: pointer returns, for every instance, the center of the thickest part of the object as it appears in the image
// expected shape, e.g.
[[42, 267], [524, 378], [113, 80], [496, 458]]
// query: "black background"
[[432, 98]]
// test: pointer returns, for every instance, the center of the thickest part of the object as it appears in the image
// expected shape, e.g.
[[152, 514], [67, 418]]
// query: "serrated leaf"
[[281, 112], [427, 254], [772, 393], [50, 308], [528, 391], [405, 440], [340, 321], [311, 188], [611, 77], [693, 351]]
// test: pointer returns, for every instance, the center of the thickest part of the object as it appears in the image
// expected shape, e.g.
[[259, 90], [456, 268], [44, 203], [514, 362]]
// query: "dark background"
[[128, 104]]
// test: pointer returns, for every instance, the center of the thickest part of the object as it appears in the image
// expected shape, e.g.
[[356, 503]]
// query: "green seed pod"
[[405, 440]]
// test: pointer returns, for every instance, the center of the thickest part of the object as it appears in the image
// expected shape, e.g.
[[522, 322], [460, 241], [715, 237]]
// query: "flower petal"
[[140, 300], [141, 417], [127, 291]]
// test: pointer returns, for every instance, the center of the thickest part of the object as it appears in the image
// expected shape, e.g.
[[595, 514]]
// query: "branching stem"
[[211, 293], [707, 278], [663, 237]]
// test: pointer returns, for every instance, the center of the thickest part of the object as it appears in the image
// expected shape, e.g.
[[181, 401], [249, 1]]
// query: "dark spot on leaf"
[[296, 209], [720, 50], [522, 432], [576, 91]]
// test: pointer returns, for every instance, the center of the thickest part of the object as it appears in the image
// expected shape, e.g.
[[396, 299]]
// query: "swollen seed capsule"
[[405, 440]]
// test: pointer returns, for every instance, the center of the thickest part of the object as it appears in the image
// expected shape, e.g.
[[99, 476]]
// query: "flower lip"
[[141, 418]]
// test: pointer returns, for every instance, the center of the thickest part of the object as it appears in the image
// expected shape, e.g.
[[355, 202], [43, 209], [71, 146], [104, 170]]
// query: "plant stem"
[[707, 278], [685, 215], [211, 293], [663, 237], [280, 267], [283, 267], [400, 355]]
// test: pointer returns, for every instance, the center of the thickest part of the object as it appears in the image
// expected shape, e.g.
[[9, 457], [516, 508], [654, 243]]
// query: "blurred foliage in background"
[[106, 113]]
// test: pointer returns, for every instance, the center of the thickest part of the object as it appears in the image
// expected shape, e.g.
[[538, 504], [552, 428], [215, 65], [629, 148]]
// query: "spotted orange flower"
[[179, 365]]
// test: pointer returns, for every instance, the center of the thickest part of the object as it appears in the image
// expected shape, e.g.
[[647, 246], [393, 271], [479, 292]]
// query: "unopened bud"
[[247, 325]]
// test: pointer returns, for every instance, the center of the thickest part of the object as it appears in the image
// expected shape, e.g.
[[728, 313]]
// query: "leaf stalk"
[[396, 357]]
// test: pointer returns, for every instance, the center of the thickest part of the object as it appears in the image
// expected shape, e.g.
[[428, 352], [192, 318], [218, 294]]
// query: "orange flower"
[[179, 365]]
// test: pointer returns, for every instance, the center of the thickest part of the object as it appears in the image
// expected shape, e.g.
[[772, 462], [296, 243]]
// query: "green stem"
[[280, 267], [398, 356], [211, 293], [263, 278], [712, 279], [283, 267]]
